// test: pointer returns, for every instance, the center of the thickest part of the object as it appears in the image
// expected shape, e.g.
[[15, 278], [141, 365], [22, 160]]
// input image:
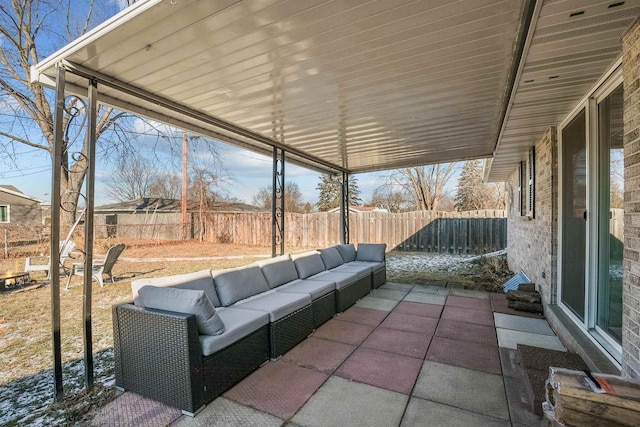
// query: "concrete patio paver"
[[381, 369], [524, 324], [479, 317], [278, 388], [407, 322], [469, 332], [227, 413], [365, 316], [427, 298], [510, 363], [519, 402], [470, 293], [465, 302], [398, 342], [340, 402], [419, 309], [319, 354], [465, 354], [463, 388], [397, 286], [510, 339], [344, 332], [374, 303], [432, 289], [131, 409], [421, 412], [393, 294]]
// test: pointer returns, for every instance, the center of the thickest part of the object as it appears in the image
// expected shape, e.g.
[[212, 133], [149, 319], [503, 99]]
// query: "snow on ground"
[[420, 262]]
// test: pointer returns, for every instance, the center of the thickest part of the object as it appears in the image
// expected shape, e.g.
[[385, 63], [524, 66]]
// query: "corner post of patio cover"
[[344, 209], [88, 233], [277, 203], [54, 272]]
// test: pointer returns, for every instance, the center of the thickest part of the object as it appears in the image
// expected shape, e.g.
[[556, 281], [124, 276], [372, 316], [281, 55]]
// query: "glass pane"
[[611, 224], [574, 206], [3, 214]]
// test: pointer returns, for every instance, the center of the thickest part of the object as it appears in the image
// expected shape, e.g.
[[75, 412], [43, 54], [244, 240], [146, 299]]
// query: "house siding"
[[631, 283], [532, 241], [21, 210]]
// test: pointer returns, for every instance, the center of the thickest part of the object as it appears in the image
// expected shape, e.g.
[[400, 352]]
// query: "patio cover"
[[349, 86]]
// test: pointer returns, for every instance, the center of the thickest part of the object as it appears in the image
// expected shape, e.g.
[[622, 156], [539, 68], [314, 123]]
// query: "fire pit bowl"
[[12, 281]]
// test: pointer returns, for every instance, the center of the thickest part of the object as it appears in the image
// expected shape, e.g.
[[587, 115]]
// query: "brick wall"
[[531, 243], [631, 284]]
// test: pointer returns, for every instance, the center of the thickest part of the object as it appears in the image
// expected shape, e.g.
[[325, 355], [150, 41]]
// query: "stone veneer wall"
[[631, 284], [531, 243]]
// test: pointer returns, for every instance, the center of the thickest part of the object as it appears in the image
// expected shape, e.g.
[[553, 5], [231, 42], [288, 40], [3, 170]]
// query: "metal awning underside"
[[346, 85], [565, 56]]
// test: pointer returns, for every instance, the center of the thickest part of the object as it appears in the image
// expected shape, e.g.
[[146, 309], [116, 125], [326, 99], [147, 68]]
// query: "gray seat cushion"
[[184, 301], [347, 252], [315, 288], [360, 270], [331, 258], [277, 304], [308, 264], [200, 280], [278, 270], [371, 252], [236, 284], [375, 266], [239, 323], [341, 280]]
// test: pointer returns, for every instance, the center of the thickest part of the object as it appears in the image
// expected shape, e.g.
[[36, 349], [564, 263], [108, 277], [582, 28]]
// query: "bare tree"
[[425, 185], [132, 180], [393, 200], [165, 186], [292, 198], [473, 193], [24, 29]]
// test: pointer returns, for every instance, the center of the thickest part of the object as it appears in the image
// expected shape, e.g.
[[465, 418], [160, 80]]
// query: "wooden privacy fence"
[[473, 232]]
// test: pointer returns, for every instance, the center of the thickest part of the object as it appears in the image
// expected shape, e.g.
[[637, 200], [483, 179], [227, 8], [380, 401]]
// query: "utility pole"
[[183, 204]]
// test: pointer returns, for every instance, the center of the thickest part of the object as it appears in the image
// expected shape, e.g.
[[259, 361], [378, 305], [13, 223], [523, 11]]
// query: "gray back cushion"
[[235, 284], [331, 257], [308, 264], [200, 280], [184, 301], [371, 252], [347, 252], [278, 270]]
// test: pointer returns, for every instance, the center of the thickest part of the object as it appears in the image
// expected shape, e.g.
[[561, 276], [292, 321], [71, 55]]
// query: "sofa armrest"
[[158, 354]]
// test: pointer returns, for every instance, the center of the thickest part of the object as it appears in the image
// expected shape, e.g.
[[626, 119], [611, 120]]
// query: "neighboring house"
[[149, 205], [356, 209], [18, 208]]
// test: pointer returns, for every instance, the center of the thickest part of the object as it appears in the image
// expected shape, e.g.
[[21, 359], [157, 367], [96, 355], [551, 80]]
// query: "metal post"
[[55, 232], [88, 233], [277, 204], [344, 209]]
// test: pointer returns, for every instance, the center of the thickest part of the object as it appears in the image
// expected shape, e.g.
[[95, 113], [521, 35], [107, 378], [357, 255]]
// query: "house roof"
[[156, 204], [362, 209], [353, 86], [10, 189]]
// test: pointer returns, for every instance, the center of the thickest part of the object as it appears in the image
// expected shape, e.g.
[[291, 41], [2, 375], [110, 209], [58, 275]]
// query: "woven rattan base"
[[324, 308], [348, 295], [290, 330], [379, 277]]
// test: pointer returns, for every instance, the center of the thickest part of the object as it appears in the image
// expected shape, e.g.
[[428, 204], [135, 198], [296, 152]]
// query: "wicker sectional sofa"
[[186, 339]]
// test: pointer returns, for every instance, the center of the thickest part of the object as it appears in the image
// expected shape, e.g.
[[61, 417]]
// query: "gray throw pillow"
[[347, 252], [372, 252], [186, 301]]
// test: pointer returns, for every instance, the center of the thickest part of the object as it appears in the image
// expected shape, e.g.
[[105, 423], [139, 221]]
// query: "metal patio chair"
[[100, 267]]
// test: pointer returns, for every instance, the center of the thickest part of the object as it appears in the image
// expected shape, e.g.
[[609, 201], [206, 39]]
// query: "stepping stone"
[[465, 354], [340, 402], [224, 412], [318, 354], [468, 332], [470, 293], [407, 322], [419, 309], [397, 286], [381, 369], [463, 388], [388, 294], [422, 412], [472, 303], [277, 388], [479, 317], [520, 404], [524, 324], [510, 362], [133, 409], [425, 298], [373, 303], [366, 316], [344, 332], [510, 339], [398, 342]]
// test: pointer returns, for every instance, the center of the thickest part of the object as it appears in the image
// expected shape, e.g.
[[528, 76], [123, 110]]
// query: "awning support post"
[[277, 204], [344, 209], [54, 249]]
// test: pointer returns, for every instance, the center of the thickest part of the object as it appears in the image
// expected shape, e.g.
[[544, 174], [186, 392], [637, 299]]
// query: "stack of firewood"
[[577, 398], [526, 298]]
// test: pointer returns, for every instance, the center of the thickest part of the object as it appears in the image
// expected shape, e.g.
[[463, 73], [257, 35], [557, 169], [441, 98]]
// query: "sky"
[[29, 169]]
